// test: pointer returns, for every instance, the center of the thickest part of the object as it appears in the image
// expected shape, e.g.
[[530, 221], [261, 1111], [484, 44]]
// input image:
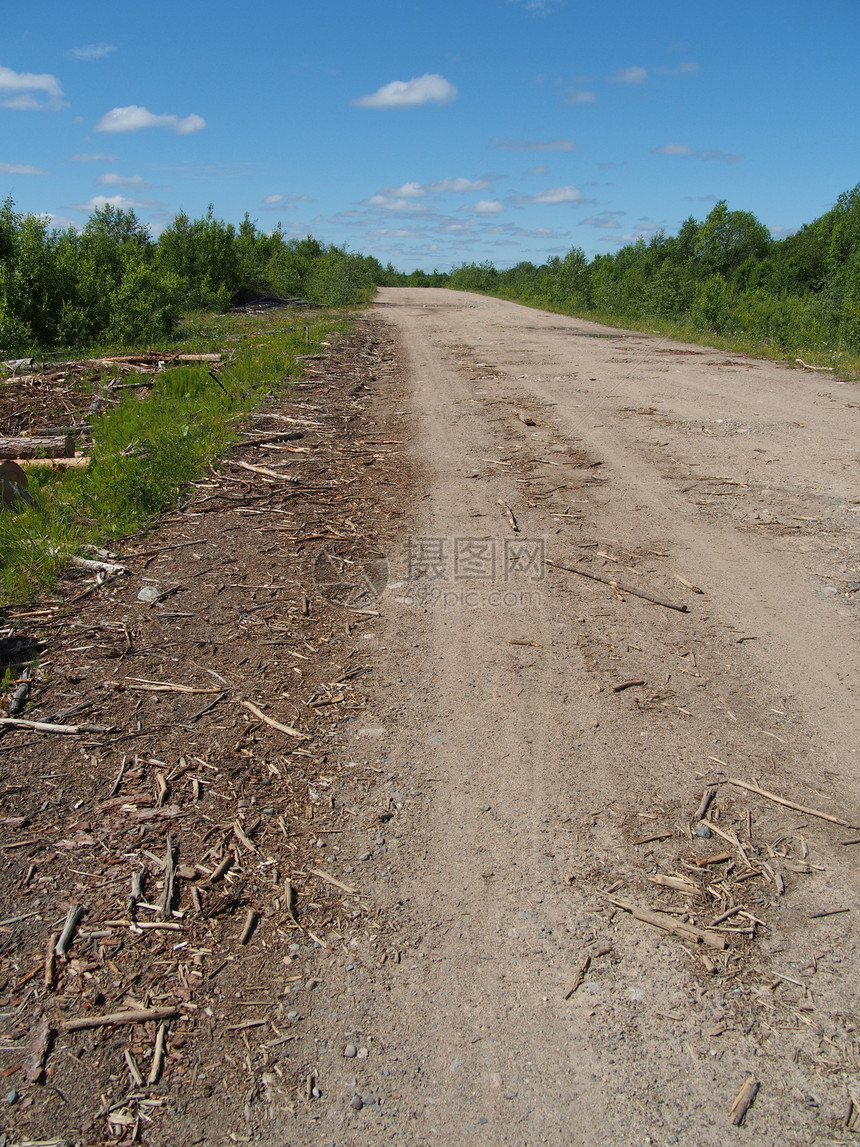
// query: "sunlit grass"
[[146, 451]]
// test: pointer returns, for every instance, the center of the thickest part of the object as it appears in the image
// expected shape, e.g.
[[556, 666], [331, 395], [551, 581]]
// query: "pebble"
[[363, 1053], [350, 1051], [703, 831], [486, 807], [150, 593], [356, 1103], [12, 1096]]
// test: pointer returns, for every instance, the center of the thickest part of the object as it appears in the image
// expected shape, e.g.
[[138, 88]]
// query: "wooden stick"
[[136, 1016], [278, 436], [51, 961], [792, 805], [624, 588], [157, 1055], [73, 916], [670, 924], [677, 883], [707, 796], [165, 902], [289, 901], [222, 869], [250, 924], [329, 879], [47, 727], [743, 1100], [719, 858], [264, 470], [133, 1069], [288, 729], [99, 567], [579, 975], [625, 685], [509, 513], [654, 836]]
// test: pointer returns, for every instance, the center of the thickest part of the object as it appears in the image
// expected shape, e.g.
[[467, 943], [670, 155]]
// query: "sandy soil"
[[527, 787], [519, 761]]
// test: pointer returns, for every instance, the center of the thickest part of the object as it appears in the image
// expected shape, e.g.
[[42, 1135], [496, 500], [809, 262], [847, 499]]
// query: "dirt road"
[[410, 812], [546, 739]]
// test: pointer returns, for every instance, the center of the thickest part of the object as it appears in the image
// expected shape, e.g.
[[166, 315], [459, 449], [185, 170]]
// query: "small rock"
[[356, 1103], [350, 1051], [11, 1096], [485, 807], [150, 593], [703, 831], [363, 1053]]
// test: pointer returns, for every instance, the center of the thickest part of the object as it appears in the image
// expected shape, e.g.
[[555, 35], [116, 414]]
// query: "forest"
[[113, 284], [726, 276]]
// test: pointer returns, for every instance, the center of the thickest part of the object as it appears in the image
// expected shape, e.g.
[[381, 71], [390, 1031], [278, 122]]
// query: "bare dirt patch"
[[200, 843]]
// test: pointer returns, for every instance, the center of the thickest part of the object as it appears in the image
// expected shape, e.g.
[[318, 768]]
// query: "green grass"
[[147, 451]]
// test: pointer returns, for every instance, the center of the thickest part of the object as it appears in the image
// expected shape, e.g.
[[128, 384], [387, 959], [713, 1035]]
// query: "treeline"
[[726, 275], [113, 282]]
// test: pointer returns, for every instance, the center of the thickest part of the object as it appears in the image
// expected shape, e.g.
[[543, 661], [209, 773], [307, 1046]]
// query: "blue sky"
[[433, 134]]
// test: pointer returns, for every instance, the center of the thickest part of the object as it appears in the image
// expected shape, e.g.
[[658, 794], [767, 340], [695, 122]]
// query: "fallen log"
[[47, 446]]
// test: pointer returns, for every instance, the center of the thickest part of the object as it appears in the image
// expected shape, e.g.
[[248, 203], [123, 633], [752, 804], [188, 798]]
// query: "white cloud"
[[408, 196], [486, 207], [283, 202], [606, 222], [120, 202], [441, 187], [541, 6], [18, 91], [134, 118], [685, 150], [20, 169], [535, 145], [92, 51], [457, 185], [111, 179], [395, 202], [60, 222], [91, 157], [687, 69], [552, 196], [577, 96], [628, 76], [427, 89], [673, 149]]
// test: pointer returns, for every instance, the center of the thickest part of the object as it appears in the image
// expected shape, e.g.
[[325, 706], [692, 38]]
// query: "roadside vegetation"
[[114, 284], [113, 288], [725, 279], [146, 450]]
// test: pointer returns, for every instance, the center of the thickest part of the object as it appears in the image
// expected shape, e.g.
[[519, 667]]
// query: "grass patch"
[[146, 451]]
